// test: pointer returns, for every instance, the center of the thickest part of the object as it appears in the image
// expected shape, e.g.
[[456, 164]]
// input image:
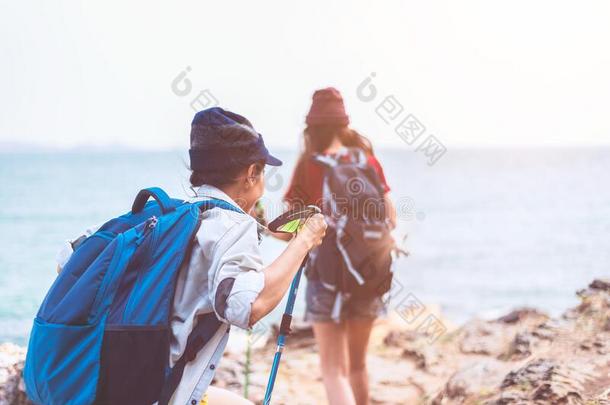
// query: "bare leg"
[[358, 333], [332, 345], [219, 396]]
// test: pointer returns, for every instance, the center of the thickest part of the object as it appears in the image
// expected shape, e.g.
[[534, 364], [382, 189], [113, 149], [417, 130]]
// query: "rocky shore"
[[12, 389], [524, 357]]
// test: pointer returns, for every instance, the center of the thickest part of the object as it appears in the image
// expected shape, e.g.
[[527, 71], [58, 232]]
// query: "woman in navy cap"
[[225, 275]]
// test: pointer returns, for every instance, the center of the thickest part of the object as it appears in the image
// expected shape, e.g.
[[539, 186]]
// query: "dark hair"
[[235, 136], [316, 139]]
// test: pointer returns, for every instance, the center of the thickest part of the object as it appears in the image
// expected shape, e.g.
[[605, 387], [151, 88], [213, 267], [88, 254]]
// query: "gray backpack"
[[354, 258]]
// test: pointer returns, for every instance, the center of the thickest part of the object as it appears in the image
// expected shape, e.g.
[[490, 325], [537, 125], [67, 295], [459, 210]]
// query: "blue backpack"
[[102, 333]]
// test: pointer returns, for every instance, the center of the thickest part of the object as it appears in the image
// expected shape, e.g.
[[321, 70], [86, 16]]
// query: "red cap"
[[327, 108]]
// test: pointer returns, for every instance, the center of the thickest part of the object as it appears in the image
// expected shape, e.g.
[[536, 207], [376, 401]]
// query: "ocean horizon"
[[489, 229]]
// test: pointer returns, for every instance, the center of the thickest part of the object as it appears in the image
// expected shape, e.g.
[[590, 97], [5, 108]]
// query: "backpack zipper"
[[152, 222], [149, 227]]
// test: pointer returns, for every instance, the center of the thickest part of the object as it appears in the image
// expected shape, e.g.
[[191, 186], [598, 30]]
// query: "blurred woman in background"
[[342, 340]]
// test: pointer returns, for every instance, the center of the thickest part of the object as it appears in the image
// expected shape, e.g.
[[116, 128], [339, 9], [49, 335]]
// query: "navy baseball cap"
[[208, 153]]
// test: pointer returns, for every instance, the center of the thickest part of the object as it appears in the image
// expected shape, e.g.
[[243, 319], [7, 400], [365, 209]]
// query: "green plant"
[[247, 370]]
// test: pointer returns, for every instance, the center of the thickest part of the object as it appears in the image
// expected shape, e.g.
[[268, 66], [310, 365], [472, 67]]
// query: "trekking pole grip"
[[285, 325]]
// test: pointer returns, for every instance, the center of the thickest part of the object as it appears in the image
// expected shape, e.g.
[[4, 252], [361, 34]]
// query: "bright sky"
[[482, 72]]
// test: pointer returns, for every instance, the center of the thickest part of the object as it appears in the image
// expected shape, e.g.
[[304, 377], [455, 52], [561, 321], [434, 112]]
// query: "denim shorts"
[[319, 302]]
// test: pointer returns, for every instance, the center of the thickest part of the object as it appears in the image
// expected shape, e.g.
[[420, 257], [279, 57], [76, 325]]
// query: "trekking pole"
[[287, 223]]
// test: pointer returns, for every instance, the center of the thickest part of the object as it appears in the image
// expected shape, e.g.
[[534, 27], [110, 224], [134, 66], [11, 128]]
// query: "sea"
[[488, 230]]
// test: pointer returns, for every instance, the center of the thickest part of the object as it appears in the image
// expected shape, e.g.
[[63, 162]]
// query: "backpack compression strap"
[[206, 328], [215, 202]]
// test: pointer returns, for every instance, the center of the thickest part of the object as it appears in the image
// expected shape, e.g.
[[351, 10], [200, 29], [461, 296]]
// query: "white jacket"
[[224, 276]]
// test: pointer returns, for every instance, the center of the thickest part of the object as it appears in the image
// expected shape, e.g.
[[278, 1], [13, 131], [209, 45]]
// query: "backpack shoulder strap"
[[327, 161], [206, 327], [210, 203], [358, 156]]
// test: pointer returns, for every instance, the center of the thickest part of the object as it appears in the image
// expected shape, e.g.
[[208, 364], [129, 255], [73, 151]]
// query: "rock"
[[594, 298], [408, 394], [485, 338], [520, 347], [533, 373], [554, 394], [399, 338], [548, 381], [521, 358], [509, 397], [585, 345], [520, 315], [599, 284], [545, 332], [479, 377], [498, 338], [12, 388], [416, 357], [603, 397]]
